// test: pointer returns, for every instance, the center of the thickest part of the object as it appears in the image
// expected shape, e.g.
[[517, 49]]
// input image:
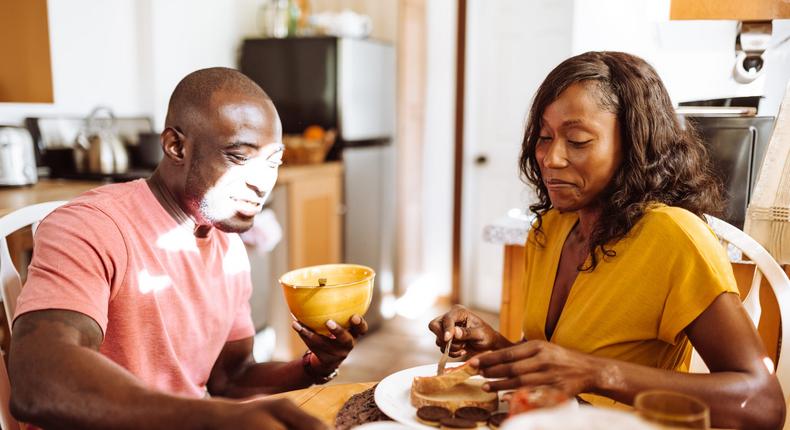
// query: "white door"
[[511, 45]]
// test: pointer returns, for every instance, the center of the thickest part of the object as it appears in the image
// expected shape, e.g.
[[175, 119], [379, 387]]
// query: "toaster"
[[17, 157]]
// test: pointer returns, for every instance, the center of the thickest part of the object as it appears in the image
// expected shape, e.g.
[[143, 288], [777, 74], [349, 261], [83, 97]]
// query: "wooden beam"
[[411, 83], [460, 78]]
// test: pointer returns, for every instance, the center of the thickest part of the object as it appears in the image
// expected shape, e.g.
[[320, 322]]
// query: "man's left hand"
[[332, 350]]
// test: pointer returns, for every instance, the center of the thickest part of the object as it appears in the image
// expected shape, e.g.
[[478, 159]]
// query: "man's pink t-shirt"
[[166, 301]]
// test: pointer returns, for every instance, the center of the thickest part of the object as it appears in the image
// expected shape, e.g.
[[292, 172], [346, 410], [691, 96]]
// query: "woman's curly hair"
[[662, 162]]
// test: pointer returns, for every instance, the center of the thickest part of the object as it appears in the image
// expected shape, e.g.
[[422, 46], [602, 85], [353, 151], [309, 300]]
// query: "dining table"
[[324, 401]]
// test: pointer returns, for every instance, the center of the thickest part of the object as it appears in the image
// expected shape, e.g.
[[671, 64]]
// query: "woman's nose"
[[555, 156]]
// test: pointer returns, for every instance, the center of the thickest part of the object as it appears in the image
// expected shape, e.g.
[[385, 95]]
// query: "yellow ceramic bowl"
[[348, 290]]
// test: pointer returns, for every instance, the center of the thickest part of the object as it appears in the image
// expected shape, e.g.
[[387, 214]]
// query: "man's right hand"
[[275, 414], [470, 334]]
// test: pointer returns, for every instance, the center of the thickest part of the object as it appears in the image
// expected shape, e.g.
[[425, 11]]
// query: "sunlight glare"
[[177, 239], [235, 260], [419, 297], [148, 283], [769, 364]]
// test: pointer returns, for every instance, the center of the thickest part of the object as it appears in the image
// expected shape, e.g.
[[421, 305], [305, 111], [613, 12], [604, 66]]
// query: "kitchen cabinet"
[[308, 203], [752, 10], [26, 74]]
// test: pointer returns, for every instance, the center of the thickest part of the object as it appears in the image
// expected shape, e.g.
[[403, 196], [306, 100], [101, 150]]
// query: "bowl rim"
[[361, 266]]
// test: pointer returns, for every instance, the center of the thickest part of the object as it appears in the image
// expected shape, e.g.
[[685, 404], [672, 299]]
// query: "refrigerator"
[[347, 84]]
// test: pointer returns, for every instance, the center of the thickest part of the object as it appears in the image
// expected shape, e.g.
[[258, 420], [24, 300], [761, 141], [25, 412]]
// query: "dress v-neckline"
[[556, 259]]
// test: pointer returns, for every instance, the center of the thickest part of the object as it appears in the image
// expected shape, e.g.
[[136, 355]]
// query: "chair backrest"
[[11, 286], [9, 277], [765, 267]]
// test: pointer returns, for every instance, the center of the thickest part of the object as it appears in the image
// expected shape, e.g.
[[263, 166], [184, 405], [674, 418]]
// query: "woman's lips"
[[556, 184]]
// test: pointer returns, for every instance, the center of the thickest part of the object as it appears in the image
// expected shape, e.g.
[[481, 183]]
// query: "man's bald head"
[[193, 95]]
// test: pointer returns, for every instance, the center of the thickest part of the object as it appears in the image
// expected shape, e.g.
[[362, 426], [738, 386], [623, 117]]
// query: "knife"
[[445, 356]]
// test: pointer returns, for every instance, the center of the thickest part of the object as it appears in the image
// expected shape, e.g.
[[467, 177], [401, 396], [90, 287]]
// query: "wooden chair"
[[765, 268], [11, 286]]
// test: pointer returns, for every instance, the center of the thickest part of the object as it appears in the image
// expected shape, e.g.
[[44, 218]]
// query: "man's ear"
[[173, 145]]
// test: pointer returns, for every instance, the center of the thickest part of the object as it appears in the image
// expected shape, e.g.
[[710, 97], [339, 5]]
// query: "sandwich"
[[452, 390]]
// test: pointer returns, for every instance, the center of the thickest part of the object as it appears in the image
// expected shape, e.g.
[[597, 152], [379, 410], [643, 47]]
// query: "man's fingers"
[[358, 326], [310, 338], [342, 336], [294, 418]]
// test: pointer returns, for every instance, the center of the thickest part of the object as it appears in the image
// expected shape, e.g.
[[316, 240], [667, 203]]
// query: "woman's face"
[[579, 148]]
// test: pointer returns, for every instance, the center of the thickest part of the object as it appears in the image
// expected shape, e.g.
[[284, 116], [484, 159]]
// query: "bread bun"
[[467, 393]]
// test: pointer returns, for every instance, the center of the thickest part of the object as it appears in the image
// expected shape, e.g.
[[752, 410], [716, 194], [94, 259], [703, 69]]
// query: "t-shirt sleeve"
[[79, 260], [243, 326], [699, 272]]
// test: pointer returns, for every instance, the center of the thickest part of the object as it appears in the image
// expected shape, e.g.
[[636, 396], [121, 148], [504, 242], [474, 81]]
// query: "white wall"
[[694, 58], [94, 52], [129, 54]]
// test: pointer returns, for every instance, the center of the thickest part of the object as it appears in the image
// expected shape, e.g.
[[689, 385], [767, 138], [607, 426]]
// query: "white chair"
[[766, 267], [12, 286]]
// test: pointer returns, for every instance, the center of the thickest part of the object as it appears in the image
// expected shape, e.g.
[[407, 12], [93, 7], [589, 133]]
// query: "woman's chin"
[[564, 206]]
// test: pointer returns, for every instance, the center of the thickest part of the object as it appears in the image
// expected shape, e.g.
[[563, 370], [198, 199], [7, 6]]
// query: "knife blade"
[[445, 356]]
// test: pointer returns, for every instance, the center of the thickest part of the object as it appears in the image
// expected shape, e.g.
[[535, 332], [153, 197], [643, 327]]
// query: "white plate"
[[383, 425], [582, 417], [392, 395]]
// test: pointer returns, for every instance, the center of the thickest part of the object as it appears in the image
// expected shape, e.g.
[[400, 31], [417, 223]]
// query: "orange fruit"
[[314, 132]]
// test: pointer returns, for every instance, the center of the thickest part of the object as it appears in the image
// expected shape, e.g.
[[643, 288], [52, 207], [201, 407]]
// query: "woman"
[[622, 273]]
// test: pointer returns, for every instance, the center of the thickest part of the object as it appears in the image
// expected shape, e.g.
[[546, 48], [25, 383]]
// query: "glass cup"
[[671, 410]]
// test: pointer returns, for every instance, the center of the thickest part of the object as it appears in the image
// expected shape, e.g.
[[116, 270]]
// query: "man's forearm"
[[73, 387], [267, 378]]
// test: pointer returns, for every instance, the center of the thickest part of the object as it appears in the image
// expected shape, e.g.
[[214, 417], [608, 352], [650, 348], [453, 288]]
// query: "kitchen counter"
[[508, 230], [46, 190]]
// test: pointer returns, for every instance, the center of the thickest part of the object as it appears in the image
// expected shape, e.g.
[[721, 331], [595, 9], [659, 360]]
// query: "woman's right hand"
[[470, 334]]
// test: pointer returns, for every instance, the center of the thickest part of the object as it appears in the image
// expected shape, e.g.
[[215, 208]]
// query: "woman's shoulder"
[[676, 224]]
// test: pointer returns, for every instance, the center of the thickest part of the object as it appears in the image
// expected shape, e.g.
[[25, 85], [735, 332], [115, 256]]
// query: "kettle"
[[98, 148], [17, 159]]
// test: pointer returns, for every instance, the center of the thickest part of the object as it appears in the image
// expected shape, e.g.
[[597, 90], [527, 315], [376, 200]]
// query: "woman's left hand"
[[535, 363]]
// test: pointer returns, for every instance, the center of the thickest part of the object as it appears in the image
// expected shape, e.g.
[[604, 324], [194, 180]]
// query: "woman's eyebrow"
[[571, 123]]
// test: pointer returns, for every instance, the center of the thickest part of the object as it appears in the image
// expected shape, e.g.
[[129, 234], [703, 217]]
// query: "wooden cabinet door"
[[315, 230]]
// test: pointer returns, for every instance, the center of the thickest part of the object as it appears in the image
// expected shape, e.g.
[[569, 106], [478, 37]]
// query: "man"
[[136, 305]]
